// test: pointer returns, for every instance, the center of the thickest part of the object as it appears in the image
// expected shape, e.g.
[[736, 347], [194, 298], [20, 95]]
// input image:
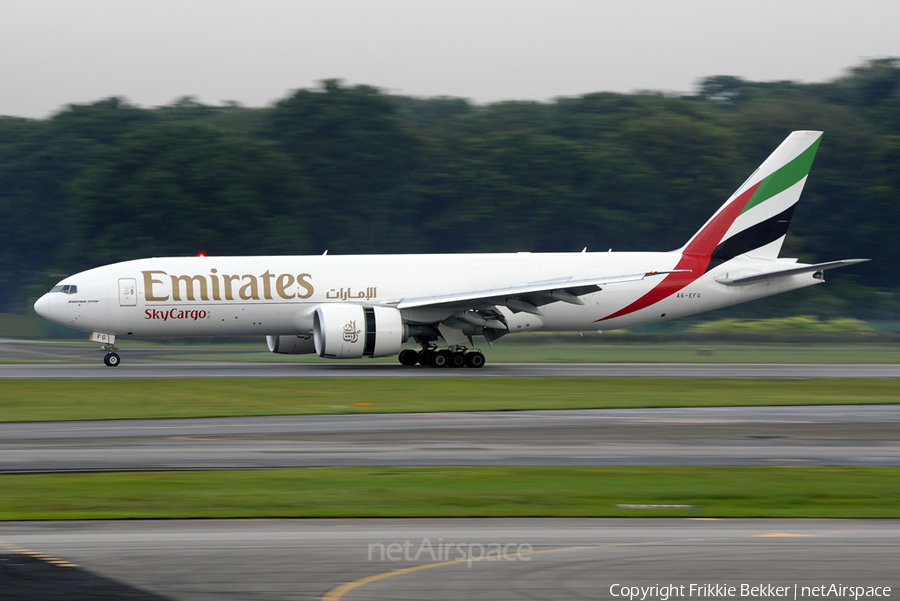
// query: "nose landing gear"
[[112, 358]]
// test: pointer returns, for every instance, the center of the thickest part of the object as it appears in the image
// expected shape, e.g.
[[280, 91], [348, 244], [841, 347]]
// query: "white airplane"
[[346, 307]]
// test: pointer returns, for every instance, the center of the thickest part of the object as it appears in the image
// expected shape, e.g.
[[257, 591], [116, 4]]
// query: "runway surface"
[[198, 369], [810, 436], [33, 360], [553, 559]]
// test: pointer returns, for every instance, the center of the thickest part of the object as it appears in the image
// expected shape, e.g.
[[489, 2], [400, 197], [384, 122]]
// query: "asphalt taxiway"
[[543, 558], [444, 559], [54, 360], [866, 435]]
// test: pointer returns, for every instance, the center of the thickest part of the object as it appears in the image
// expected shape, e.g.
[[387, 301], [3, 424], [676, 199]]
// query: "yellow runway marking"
[[47, 558], [337, 593]]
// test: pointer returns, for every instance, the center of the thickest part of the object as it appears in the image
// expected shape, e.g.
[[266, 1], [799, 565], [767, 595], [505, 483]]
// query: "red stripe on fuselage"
[[696, 256]]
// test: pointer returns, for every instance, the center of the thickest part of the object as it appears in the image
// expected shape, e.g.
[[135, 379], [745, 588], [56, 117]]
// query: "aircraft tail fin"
[[755, 219]]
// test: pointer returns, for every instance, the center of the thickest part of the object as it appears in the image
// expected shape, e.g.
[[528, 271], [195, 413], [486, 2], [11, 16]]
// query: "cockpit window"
[[67, 289]]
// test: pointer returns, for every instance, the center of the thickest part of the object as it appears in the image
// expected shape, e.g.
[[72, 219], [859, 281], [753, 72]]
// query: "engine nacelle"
[[291, 345], [343, 331]]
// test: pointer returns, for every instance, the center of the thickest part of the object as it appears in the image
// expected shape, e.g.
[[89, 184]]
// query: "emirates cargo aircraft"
[[346, 307]]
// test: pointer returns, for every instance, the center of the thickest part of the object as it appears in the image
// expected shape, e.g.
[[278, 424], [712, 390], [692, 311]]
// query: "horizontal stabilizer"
[[771, 275]]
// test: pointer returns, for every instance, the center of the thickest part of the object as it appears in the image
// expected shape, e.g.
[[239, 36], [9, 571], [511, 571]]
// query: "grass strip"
[[456, 492], [46, 400]]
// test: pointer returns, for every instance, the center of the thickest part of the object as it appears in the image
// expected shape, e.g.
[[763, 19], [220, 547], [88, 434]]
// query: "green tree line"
[[353, 169]]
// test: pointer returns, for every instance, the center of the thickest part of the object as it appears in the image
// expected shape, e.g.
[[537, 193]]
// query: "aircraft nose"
[[42, 306]]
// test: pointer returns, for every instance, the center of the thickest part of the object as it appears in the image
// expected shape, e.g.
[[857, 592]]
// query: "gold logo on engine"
[[351, 334]]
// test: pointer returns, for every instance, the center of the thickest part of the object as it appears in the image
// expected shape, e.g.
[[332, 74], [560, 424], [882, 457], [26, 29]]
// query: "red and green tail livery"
[[751, 225]]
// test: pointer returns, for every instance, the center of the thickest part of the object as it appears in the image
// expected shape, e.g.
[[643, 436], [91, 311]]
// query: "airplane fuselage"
[[245, 296], [346, 307]]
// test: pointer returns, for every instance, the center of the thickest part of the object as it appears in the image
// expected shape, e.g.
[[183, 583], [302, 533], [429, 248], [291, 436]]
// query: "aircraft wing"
[[771, 275], [526, 297]]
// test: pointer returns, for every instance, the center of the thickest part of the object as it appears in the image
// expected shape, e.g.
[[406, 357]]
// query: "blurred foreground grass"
[[456, 492], [50, 400]]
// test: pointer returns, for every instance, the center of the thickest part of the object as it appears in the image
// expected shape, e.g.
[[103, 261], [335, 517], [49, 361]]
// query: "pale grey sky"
[[56, 52]]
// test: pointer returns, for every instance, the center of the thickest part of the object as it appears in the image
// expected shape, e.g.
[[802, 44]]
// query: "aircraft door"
[[127, 292]]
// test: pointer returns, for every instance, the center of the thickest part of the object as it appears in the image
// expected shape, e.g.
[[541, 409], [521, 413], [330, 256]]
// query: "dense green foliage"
[[352, 169]]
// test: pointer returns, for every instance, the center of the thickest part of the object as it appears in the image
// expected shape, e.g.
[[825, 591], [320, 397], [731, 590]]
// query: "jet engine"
[[291, 345], [343, 331]]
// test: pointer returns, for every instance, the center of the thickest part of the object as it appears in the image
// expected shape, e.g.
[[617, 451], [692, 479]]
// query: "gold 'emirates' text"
[[226, 287]]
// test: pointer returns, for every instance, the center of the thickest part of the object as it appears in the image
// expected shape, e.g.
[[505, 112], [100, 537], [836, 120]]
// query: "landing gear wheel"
[[112, 360], [439, 358], [425, 357], [475, 359], [408, 357], [457, 359]]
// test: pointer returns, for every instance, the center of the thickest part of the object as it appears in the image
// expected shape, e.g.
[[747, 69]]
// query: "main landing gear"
[[434, 357]]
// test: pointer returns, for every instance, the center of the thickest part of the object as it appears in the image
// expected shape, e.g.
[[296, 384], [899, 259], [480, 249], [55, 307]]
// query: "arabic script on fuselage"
[[348, 294]]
